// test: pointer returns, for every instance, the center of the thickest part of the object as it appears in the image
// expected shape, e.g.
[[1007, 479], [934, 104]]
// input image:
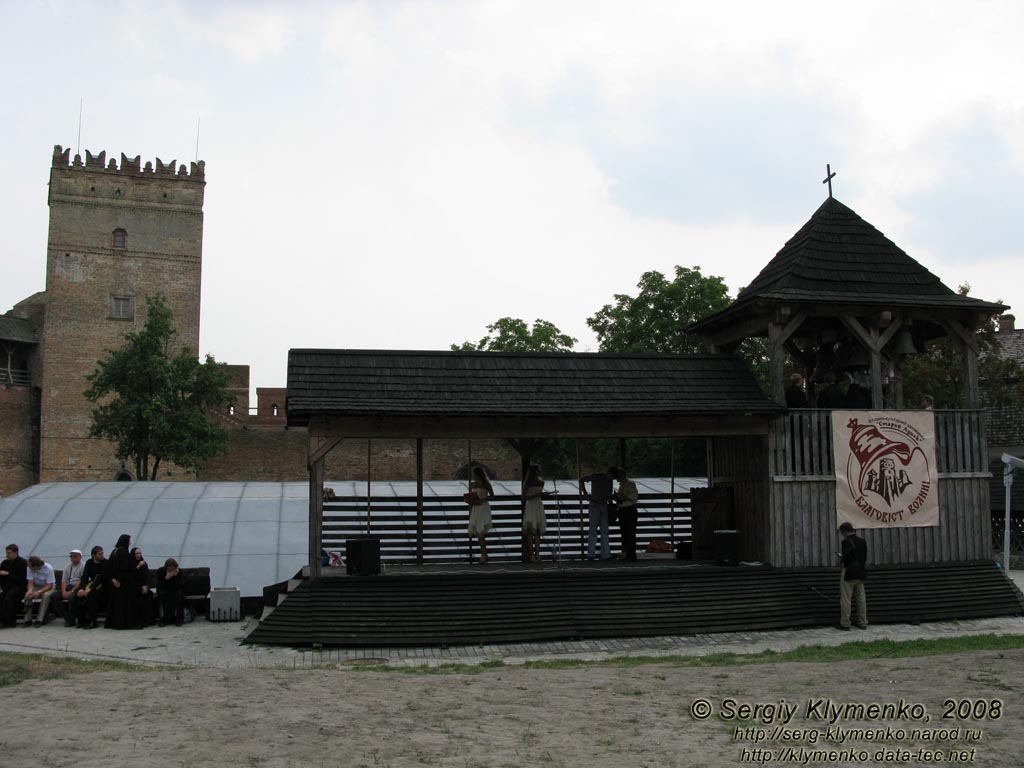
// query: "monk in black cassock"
[[121, 583], [143, 611], [13, 585]]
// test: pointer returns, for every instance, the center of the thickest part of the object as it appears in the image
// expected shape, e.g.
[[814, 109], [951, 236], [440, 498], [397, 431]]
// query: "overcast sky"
[[398, 175]]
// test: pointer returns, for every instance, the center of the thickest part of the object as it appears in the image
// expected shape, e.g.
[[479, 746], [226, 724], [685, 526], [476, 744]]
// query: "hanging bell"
[[824, 360], [903, 344]]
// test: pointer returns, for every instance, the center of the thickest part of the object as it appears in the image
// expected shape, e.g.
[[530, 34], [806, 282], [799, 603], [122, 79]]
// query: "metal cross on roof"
[[828, 178]]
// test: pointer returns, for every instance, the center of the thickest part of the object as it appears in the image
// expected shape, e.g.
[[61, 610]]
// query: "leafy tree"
[[510, 334], [939, 372], [153, 401], [656, 319]]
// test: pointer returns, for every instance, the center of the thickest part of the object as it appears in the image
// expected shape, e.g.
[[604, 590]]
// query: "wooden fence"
[[441, 534]]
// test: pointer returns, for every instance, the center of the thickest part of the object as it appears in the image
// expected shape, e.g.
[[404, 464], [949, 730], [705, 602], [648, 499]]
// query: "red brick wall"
[[162, 215], [15, 440]]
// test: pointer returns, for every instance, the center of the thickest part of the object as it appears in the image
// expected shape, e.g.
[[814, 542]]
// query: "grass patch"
[[21, 667], [811, 654]]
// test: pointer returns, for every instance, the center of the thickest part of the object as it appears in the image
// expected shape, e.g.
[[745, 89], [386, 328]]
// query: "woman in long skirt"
[[480, 509], [534, 520]]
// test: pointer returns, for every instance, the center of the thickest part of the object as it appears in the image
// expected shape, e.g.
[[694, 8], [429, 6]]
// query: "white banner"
[[886, 476]]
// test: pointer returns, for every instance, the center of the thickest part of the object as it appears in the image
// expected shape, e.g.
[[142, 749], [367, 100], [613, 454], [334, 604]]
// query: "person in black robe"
[[92, 590], [13, 586], [170, 590], [796, 396], [121, 583], [143, 597]]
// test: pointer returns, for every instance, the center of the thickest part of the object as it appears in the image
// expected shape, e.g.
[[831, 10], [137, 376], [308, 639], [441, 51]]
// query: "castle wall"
[[277, 454], [16, 471], [160, 213]]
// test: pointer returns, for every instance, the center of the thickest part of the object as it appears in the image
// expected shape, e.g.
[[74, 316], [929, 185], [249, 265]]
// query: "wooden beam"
[[482, 427], [325, 446]]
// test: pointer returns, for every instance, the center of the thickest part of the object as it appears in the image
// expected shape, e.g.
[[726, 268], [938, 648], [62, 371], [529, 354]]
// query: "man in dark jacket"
[[92, 592], [13, 585], [854, 556]]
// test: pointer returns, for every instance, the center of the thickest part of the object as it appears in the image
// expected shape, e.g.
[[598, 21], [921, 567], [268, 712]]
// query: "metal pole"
[[1007, 485], [579, 482], [369, 448], [672, 496]]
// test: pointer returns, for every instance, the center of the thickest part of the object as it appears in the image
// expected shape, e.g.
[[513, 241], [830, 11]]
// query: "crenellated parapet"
[[129, 165]]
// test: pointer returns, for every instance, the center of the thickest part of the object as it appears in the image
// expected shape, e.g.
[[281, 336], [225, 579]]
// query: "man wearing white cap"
[[69, 581]]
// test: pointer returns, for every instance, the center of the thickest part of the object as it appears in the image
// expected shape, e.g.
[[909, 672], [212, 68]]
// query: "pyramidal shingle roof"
[[838, 257]]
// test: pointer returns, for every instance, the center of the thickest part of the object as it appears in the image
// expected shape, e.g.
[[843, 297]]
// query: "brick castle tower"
[[117, 236]]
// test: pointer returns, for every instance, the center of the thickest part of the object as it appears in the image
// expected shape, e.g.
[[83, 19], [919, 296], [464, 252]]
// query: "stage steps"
[[516, 606]]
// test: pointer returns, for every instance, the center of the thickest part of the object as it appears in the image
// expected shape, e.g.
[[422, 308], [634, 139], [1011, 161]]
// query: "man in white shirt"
[[40, 585], [69, 581]]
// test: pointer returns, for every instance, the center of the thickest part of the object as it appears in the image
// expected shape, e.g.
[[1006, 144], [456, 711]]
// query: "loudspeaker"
[[727, 547], [362, 556]]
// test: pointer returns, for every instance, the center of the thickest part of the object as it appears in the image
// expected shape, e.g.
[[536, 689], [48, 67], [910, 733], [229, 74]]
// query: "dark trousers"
[[627, 524], [172, 606], [12, 603], [86, 610]]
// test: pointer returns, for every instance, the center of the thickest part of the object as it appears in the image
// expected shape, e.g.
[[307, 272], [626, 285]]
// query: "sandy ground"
[[514, 716]]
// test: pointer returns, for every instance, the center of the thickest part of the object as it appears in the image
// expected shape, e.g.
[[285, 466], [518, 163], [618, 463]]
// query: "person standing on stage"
[[853, 557], [534, 519], [626, 497], [598, 498], [480, 509]]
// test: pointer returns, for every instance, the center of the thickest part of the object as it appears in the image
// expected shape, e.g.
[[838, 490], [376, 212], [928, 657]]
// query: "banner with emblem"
[[886, 476]]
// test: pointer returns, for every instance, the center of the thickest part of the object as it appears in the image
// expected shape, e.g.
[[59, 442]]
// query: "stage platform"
[[448, 604]]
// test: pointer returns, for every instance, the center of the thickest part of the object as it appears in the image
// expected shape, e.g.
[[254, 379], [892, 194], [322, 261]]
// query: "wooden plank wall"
[[802, 520], [739, 463]]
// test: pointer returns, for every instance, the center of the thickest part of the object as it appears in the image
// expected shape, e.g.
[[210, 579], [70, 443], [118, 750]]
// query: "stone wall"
[[16, 471], [159, 211]]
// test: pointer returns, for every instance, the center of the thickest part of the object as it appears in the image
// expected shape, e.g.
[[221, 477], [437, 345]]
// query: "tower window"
[[120, 238], [122, 308], [273, 409]]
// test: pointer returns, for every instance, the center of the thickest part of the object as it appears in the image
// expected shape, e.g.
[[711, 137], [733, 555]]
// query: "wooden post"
[[316, 516], [877, 396], [776, 362], [419, 501], [672, 493]]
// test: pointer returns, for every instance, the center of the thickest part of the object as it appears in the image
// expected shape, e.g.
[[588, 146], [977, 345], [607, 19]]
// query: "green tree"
[[510, 334], [153, 401], [939, 372], [656, 319]]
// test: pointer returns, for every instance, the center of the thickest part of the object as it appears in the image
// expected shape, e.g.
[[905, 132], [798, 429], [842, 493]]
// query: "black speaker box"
[[727, 547], [362, 556]]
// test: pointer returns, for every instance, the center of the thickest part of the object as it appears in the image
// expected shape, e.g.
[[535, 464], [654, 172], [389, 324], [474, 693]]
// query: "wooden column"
[[969, 352], [316, 515]]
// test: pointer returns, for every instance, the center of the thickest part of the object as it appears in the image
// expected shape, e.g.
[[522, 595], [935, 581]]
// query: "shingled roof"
[[837, 258], [17, 329], [495, 384], [838, 255]]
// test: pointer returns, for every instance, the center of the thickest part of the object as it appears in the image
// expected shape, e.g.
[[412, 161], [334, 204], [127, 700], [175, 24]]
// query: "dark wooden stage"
[[459, 604]]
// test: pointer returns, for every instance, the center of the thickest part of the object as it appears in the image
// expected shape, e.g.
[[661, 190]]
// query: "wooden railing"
[[14, 378], [801, 445], [444, 537]]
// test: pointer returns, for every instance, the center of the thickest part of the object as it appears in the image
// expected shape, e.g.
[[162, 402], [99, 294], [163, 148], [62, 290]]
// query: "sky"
[[398, 175]]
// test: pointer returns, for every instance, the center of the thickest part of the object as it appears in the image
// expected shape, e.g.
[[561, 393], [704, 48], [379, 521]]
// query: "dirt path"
[[600, 717]]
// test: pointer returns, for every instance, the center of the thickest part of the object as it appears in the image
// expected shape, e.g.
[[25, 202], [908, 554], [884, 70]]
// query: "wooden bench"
[[197, 589]]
